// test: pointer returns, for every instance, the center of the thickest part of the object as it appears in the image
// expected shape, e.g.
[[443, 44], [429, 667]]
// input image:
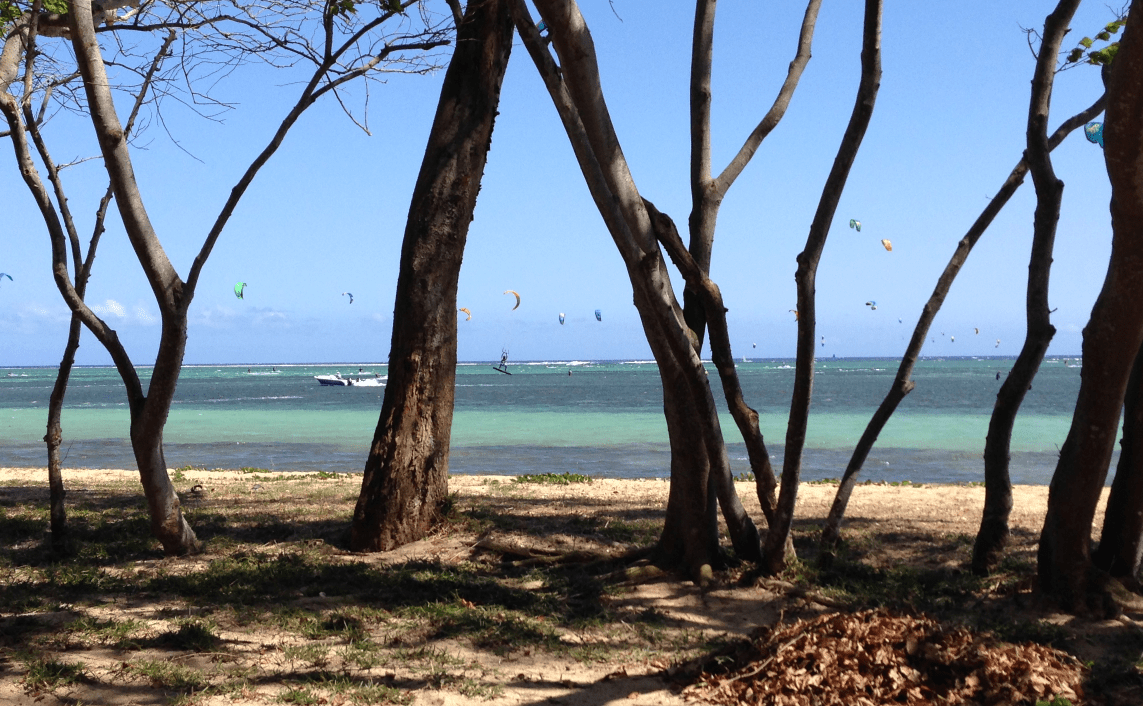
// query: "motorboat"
[[376, 380]]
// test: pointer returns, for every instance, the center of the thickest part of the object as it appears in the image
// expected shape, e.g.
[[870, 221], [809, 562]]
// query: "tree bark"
[[903, 383], [993, 534], [406, 474], [776, 538], [1111, 344], [701, 300], [1120, 549], [690, 537]]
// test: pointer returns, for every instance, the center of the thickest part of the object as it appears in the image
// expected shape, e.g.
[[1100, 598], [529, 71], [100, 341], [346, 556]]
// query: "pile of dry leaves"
[[873, 657]]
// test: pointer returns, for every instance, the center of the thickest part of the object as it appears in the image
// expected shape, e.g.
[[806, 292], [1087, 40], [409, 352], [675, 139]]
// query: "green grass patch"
[[168, 675], [46, 674], [565, 478]]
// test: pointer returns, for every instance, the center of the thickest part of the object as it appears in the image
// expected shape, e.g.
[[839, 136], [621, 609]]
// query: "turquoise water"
[[604, 418]]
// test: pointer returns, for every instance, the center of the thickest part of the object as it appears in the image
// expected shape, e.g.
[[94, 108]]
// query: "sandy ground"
[[916, 515]]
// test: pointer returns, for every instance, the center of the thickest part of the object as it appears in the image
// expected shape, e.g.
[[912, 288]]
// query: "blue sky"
[[327, 214]]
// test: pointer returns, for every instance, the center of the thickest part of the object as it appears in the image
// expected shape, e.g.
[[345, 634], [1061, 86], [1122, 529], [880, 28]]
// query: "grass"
[[553, 478], [280, 612]]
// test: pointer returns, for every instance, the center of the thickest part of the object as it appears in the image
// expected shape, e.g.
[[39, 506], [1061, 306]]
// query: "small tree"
[[699, 464], [249, 32]]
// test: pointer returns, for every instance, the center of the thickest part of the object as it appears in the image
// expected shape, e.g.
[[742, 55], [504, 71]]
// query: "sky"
[[327, 214]]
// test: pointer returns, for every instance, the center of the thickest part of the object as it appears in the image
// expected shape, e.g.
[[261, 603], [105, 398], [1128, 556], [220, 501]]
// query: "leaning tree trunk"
[[993, 534], [903, 383], [406, 474], [1111, 341], [1120, 550], [698, 452], [774, 551]]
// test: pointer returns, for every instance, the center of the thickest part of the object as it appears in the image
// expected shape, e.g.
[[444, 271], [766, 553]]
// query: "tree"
[[1111, 344], [406, 474], [903, 382], [249, 32], [699, 465]]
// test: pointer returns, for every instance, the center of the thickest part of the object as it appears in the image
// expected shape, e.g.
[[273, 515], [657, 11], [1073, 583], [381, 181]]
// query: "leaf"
[[58, 7], [1075, 55], [1086, 42], [1103, 36]]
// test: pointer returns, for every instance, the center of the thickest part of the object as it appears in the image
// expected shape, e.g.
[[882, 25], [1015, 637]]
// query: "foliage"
[[1085, 53], [557, 478]]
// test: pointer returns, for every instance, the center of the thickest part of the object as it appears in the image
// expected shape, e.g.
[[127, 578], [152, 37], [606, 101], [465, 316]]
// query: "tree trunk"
[[1120, 550], [778, 535], [56, 491], [406, 474], [698, 453], [903, 383], [993, 534], [1111, 341], [701, 300]]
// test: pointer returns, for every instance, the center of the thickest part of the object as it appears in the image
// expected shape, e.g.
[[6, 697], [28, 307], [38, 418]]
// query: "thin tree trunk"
[[1120, 550], [903, 383], [406, 474], [707, 194], [1111, 342], [993, 534], [778, 535]]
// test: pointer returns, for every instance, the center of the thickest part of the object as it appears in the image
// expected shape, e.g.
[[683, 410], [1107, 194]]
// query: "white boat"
[[336, 379]]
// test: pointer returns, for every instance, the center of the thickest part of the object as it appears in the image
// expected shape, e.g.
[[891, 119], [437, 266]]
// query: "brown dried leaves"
[[873, 657]]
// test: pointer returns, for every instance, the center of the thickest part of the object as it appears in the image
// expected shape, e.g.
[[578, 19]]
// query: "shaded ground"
[[486, 611]]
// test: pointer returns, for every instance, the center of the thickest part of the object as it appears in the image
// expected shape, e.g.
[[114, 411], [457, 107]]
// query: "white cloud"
[[109, 307], [145, 317]]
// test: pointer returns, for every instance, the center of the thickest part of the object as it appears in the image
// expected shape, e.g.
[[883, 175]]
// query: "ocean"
[[604, 419]]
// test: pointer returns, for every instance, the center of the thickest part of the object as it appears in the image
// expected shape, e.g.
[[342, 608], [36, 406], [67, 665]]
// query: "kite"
[[755, 345], [952, 339], [872, 305], [561, 318], [976, 331], [888, 245], [1094, 133], [465, 310], [598, 315], [997, 343], [855, 224], [5, 274], [513, 293], [795, 313], [348, 294], [239, 289], [823, 341]]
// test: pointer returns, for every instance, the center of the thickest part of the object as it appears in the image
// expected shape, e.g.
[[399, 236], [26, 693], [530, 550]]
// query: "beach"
[[480, 626]]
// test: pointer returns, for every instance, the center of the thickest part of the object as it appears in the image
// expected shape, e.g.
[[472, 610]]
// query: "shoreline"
[[954, 507]]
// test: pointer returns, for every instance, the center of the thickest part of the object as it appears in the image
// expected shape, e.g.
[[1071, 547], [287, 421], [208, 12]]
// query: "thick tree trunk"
[[1111, 342], [406, 474], [1120, 550], [778, 536]]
